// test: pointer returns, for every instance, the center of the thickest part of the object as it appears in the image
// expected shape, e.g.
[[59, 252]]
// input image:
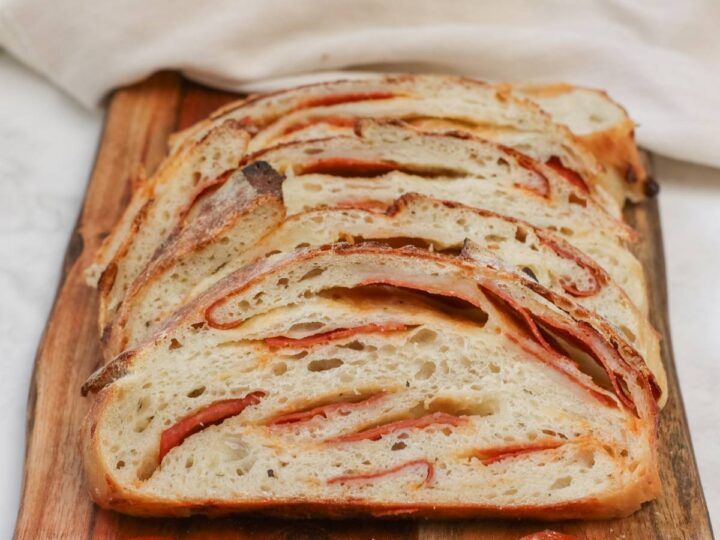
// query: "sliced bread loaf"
[[505, 113], [385, 160], [507, 243], [157, 207], [336, 397], [219, 230], [409, 295]]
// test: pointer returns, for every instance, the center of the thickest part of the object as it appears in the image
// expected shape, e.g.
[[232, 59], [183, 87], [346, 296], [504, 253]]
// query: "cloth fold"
[[660, 59]]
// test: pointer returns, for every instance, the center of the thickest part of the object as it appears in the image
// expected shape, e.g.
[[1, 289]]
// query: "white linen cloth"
[[661, 59]]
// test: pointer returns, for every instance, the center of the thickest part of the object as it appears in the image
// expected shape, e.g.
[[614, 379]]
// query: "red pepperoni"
[[366, 477], [349, 167], [210, 415], [569, 175], [499, 453], [338, 99], [323, 411], [377, 432], [340, 333]]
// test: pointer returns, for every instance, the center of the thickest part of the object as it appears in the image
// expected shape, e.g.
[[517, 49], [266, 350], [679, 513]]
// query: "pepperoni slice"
[[208, 416], [369, 477], [374, 434], [569, 175], [340, 333], [489, 456], [349, 167], [323, 411], [339, 99], [599, 278]]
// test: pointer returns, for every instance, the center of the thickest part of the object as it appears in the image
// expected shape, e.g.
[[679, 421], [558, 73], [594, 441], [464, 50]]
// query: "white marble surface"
[[47, 145]]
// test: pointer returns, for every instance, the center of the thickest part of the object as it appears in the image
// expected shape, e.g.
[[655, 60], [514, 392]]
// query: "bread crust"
[[116, 246], [614, 147]]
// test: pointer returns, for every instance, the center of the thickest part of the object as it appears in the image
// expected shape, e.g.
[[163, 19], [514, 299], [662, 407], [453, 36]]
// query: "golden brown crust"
[[143, 189], [123, 234], [615, 147], [108, 373], [109, 274], [618, 506]]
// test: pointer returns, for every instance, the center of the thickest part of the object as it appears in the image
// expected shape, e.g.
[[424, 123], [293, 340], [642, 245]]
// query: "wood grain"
[[54, 501]]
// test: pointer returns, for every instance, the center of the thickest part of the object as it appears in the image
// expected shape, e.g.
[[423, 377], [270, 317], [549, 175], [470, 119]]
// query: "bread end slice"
[[233, 218]]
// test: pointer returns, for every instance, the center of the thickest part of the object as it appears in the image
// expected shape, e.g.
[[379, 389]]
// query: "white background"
[[47, 147]]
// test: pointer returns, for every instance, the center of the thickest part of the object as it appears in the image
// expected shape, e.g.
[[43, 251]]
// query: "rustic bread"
[[219, 230], [334, 399], [502, 112], [385, 160], [398, 159], [204, 151], [490, 356], [442, 226], [156, 208]]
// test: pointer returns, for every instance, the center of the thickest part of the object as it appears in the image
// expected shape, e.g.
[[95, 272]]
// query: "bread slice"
[[507, 243], [156, 209], [505, 113], [168, 207], [331, 396], [429, 102], [603, 127], [220, 229], [385, 160]]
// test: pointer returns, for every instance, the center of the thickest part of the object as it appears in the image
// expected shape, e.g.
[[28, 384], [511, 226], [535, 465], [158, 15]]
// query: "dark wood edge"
[[661, 321]]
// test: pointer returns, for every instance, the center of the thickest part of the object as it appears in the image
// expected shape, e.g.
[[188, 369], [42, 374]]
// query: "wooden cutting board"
[[54, 501]]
